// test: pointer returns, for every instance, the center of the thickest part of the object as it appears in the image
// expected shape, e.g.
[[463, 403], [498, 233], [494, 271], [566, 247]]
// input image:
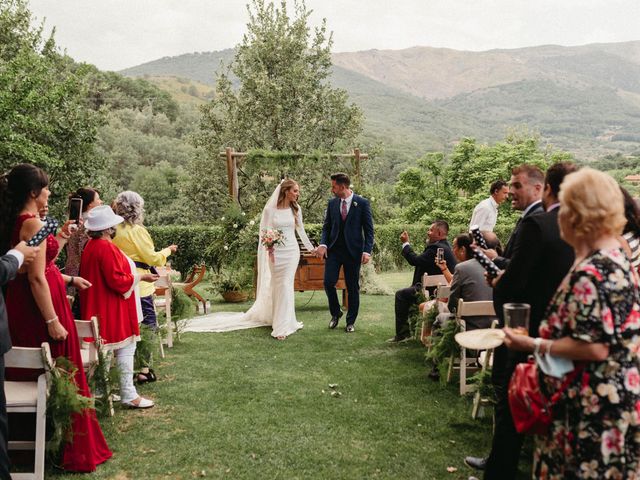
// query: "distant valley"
[[584, 99]]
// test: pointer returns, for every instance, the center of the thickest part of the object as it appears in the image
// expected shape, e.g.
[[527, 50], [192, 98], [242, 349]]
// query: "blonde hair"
[[285, 186], [591, 204]]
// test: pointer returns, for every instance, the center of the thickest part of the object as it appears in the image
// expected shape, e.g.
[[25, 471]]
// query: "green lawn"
[[243, 405]]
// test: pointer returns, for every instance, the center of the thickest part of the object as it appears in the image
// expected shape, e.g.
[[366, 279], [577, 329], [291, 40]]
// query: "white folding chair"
[[430, 281], [90, 352], [162, 300], [443, 292], [30, 397], [464, 364]]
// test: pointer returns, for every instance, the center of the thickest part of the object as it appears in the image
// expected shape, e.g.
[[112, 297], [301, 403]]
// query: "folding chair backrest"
[[443, 291], [29, 397], [29, 357], [472, 309]]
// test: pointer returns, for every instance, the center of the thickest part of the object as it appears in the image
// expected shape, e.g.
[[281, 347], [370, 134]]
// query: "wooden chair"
[[443, 292], [194, 278], [464, 364], [90, 352], [30, 397]]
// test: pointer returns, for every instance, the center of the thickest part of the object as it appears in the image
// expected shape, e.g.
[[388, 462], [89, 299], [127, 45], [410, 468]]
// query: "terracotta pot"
[[235, 297]]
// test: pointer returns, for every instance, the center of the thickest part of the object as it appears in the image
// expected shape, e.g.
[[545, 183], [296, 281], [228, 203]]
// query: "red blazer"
[[107, 268]]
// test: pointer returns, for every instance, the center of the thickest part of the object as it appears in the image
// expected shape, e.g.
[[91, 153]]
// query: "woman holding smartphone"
[[80, 204], [37, 306]]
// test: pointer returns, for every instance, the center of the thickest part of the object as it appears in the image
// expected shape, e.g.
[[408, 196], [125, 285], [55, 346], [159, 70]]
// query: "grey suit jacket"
[[8, 270], [469, 284]]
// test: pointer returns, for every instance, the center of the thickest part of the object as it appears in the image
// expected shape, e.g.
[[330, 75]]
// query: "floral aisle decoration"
[[444, 348]]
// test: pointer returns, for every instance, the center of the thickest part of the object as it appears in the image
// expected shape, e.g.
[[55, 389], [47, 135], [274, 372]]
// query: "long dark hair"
[[16, 186], [87, 195]]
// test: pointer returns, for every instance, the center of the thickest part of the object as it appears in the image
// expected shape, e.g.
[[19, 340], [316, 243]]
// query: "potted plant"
[[234, 285]]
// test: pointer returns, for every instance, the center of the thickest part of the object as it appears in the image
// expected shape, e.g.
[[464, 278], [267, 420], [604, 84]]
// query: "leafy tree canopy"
[[284, 103], [44, 115]]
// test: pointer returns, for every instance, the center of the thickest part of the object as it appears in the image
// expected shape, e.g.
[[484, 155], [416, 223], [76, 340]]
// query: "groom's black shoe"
[[334, 320]]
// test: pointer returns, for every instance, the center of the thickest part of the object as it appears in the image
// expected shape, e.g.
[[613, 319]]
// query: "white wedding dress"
[[275, 301]]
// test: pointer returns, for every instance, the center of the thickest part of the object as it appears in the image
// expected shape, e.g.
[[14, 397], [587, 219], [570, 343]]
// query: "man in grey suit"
[[9, 265], [468, 281]]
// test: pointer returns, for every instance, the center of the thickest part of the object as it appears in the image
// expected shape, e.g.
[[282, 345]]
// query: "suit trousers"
[[405, 297], [337, 258], [502, 463], [4, 428]]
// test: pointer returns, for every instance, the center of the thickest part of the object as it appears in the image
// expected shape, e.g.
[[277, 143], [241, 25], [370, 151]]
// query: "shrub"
[[206, 244]]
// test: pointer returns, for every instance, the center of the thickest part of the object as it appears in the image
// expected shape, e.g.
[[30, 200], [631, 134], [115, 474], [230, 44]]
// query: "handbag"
[[530, 408]]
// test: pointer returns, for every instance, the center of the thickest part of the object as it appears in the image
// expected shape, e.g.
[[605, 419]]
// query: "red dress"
[[88, 447]]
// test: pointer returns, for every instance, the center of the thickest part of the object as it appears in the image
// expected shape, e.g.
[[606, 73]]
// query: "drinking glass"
[[516, 316]]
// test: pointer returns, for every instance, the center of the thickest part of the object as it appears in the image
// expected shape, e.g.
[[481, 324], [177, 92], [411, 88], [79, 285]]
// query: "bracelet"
[[537, 342], [65, 236], [52, 320], [71, 280]]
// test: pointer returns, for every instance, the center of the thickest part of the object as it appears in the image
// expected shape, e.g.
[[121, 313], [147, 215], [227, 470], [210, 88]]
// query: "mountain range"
[[583, 99]]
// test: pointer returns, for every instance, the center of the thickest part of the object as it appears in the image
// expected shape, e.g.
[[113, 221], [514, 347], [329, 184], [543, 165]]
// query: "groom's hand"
[[321, 251], [365, 258]]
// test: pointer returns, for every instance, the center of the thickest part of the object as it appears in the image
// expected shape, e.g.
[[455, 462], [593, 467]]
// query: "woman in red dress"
[[37, 305]]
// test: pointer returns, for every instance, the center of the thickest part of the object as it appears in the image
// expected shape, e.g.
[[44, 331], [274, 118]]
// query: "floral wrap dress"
[[596, 429]]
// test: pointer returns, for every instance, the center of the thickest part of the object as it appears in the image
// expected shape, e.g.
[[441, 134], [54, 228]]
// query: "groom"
[[347, 240]]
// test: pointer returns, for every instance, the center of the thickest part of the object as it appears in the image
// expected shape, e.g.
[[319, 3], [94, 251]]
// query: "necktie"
[[343, 210]]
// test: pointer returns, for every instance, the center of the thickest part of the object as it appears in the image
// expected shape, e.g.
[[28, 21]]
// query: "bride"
[[275, 302]]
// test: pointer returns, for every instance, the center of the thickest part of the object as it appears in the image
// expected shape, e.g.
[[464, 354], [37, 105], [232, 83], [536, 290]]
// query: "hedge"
[[197, 244]]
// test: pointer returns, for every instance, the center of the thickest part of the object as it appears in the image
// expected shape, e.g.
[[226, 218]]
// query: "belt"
[[144, 266]]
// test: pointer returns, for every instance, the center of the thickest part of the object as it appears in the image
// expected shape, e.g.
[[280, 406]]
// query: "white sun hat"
[[100, 218]]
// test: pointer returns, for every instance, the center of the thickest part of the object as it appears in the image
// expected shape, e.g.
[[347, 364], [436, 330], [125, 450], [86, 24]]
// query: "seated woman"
[[468, 282], [112, 297], [593, 320]]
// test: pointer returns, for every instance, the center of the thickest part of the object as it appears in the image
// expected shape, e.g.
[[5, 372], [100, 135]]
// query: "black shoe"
[[334, 320], [475, 462], [350, 328]]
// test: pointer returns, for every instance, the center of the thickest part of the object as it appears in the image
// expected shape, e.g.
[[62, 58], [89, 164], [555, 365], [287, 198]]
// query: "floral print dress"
[[596, 429]]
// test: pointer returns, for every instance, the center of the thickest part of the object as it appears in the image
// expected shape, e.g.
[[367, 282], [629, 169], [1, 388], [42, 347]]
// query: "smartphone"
[[439, 255], [75, 209]]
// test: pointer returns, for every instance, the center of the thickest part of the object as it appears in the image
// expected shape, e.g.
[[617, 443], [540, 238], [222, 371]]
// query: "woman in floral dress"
[[594, 320]]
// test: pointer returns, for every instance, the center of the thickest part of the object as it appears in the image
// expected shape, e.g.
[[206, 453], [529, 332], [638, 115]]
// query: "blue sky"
[[115, 34]]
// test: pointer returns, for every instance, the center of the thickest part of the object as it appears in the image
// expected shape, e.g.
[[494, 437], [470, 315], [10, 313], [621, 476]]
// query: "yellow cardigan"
[[136, 243]]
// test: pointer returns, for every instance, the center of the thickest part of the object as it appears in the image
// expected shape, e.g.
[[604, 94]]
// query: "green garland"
[[104, 380], [143, 357], [482, 380], [415, 315], [64, 400], [443, 347]]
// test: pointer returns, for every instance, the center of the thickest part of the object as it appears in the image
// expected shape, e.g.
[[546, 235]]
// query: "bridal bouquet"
[[271, 237]]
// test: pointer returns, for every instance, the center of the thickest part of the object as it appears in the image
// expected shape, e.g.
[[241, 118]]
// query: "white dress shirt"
[[485, 215]]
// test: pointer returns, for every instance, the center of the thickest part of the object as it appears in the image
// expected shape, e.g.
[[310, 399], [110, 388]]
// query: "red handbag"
[[530, 409]]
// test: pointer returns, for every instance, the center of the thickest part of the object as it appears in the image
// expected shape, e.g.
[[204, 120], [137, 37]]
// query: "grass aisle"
[[243, 405]]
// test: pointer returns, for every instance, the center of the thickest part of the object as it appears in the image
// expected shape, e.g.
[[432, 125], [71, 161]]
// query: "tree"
[[449, 190], [284, 103], [44, 116]]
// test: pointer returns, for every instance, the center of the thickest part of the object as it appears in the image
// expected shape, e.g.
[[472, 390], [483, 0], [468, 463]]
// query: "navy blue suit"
[[346, 241]]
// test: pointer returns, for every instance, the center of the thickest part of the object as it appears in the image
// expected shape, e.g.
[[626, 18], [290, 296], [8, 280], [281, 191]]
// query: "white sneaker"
[[141, 403]]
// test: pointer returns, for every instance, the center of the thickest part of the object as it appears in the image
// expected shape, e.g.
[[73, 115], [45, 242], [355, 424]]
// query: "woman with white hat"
[[112, 297]]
